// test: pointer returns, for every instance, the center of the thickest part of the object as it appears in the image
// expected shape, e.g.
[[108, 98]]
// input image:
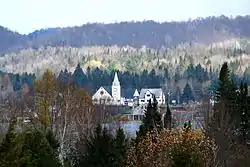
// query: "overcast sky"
[[26, 16]]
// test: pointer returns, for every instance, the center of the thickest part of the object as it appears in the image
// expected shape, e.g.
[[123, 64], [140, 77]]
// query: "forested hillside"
[[175, 59], [136, 34]]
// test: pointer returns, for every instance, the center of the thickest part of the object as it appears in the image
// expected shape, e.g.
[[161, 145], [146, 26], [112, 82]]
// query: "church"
[[115, 95]]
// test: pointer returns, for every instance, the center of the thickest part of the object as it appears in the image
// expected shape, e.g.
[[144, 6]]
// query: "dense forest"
[[194, 82], [47, 79], [70, 136], [136, 34], [235, 52]]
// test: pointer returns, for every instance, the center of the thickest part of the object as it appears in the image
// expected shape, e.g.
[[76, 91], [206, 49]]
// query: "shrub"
[[175, 148]]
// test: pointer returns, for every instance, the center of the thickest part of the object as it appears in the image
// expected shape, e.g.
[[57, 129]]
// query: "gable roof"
[[156, 91], [105, 94], [127, 93], [116, 81], [136, 93]]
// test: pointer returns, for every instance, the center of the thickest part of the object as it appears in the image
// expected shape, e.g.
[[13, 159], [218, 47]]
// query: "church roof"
[[127, 92], [136, 94], [116, 80], [156, 91]]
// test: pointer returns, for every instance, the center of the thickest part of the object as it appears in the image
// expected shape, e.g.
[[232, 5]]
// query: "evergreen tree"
[[187, 94], [168, 118], [7, 145], [120, 144], [102, 149], [30, 148], [187, 126], [224, 83], [99, 149], [36, 150], [244, 106], [226, 95], [226, 116], [78, 77], [152, 119], [54, 144]]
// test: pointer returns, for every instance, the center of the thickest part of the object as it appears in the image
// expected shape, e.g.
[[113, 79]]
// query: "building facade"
[[116, 95]]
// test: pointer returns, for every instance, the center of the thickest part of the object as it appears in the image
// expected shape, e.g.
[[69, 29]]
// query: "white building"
[[111, 95], [115, 95], [148, 94], [116, 90]]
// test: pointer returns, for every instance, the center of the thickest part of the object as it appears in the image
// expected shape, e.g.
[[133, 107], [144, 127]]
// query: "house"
[[148, 94], [115, 95]]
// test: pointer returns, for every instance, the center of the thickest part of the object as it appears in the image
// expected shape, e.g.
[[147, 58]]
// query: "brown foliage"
[[45, 93], [168, 147]]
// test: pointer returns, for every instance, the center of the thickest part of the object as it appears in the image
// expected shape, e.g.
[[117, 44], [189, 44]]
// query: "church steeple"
[[116, 81], [116, 89]]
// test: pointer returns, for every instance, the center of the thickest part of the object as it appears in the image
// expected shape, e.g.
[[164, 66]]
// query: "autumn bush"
[[175, 148]]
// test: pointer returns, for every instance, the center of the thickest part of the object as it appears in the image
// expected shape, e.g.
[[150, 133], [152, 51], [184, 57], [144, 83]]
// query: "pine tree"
[[120, 144], [187, 126], [7, 145], [45, 93], [29, 148], [99, 149], [54, 144], [78, 77], [226, 93], [244, 107], [168, 118], [36, 150], [226, 116], [152, 119], [102, 149], [187, 94], [224, 82]]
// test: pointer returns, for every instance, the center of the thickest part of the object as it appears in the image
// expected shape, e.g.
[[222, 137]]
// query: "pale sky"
[[26, 16]]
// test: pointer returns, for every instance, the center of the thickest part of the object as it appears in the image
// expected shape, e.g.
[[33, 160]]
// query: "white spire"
[[136, 94], [116, 80]]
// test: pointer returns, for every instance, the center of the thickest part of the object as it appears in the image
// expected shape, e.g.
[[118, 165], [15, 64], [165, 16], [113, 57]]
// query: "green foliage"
[[36, 150], [121, 145], [28, 148], [103, 150], [224, 82], [244, 108], [7, 145], [185, 158], [187, 126], [168, 118], [187, 94], [54, 144], [151, 121]]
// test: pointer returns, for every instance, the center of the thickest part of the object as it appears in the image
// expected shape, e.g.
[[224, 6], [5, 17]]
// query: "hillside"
[[235, 51], [148, 33], [10, 40]]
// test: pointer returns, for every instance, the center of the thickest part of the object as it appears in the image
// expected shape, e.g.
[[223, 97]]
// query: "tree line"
[[149, 33], [63, 131], [195, 81]]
